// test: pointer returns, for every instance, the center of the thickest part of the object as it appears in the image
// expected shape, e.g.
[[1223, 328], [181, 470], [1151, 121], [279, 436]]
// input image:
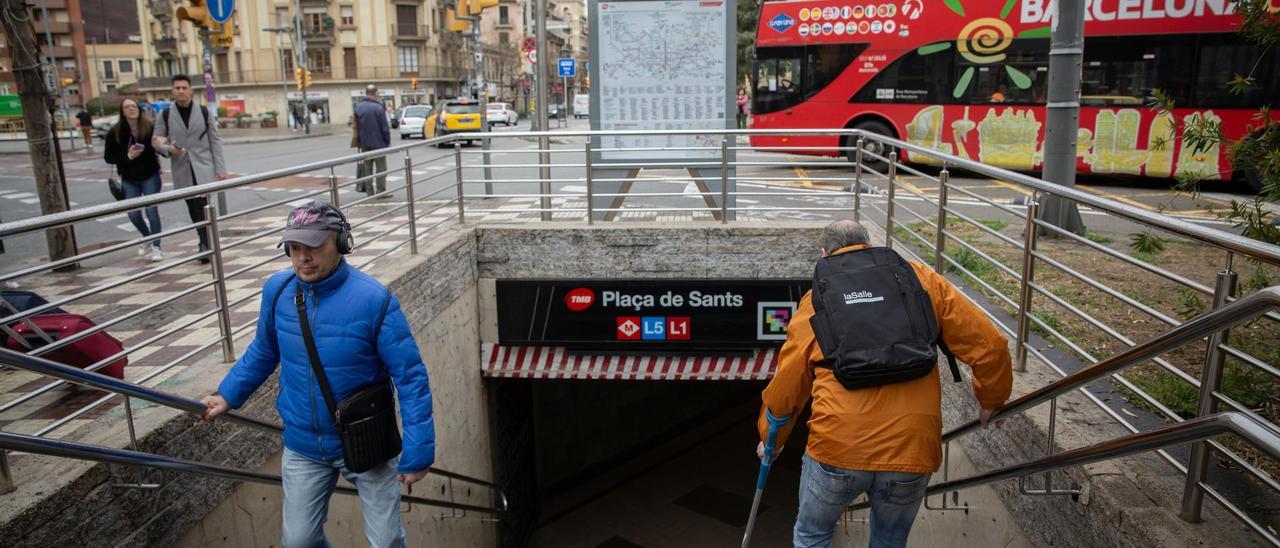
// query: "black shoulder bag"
[[366, 420]]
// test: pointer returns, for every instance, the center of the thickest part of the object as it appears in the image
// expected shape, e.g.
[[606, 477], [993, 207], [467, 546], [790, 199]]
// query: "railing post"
[[591, 210], [857, 182], [888, 219], [940, 244], [488, 171], [6, 475], [333, 188], [408, 194], [544, 173], [220, 285], [457, 162], [1210, 382], [1028, 273], [724, 180]]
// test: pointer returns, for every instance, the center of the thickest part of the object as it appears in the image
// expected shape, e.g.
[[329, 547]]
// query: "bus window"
[[825, 62], [1221, 58], [1125, 71], [1020, 79], [778, 79]]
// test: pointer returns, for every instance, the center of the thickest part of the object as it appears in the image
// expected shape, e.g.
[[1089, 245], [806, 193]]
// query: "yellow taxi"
[[455, 116]]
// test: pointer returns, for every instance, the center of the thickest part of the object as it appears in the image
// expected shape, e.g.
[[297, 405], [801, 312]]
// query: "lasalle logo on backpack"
[[861, 297]]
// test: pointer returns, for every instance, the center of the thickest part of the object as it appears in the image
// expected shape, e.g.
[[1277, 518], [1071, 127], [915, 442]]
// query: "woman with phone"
[[128, 147]]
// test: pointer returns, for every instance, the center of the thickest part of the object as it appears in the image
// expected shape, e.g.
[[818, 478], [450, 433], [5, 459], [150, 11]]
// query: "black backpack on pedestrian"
[[873, 320]]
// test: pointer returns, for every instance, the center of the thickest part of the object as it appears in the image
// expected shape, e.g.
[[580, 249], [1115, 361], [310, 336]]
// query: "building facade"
[[349, 44], [64, 30], [113, 68]]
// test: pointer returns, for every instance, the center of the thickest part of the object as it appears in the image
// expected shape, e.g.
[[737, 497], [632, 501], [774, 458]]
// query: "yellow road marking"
[[804, 176], [1116, 197], [1012, 187]]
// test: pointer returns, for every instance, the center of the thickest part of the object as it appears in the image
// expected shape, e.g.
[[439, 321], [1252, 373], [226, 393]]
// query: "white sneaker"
[[156, 255], [144, 249]]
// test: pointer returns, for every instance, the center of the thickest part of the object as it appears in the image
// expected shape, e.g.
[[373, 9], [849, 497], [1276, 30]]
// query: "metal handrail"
[[1257, 433], [1238, 312], [66, 449], [1226, 240], [99, 381]]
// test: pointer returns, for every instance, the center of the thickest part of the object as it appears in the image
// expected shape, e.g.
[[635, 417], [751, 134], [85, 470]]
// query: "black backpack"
[[873, 320]]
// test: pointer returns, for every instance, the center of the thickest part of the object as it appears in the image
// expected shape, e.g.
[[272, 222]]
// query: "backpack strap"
[[377, 327], [951, 358], [276, 299]]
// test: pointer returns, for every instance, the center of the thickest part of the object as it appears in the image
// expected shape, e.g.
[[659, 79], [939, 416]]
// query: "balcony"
[[154, 83], [165, 45], [54, 27], [318, 35], [409, 32], [161, 9]]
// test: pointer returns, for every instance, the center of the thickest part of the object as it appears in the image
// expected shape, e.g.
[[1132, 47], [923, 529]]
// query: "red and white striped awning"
[[537, 362]]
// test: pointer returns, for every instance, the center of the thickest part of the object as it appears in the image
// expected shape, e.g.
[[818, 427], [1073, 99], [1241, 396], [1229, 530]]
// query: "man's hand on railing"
[[410, 479], [216, 406]]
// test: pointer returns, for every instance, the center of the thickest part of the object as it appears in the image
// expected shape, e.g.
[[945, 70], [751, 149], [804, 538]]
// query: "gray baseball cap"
[[311, 224]]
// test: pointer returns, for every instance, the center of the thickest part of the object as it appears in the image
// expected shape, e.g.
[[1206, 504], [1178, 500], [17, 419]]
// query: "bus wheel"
[[868, 145]]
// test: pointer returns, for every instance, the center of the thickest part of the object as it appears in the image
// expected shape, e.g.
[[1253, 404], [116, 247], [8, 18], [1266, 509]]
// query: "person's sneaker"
[[156, 255], [204, 259], [144, 249]]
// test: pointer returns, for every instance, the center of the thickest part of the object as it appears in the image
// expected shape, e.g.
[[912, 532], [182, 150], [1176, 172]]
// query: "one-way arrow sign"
[[220, 10]]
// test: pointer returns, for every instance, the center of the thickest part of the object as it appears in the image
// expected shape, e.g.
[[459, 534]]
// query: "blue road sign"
[[220, 10], [568, 67]]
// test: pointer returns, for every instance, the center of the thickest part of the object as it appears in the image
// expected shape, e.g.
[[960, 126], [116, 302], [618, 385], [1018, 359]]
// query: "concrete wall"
[[438, 294], [61, 502]]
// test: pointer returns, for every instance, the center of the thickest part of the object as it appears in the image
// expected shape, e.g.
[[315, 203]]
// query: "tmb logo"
[[781, 23], [580, 299]]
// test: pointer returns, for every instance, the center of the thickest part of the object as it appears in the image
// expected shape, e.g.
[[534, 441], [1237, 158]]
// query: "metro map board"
[[647, 315]]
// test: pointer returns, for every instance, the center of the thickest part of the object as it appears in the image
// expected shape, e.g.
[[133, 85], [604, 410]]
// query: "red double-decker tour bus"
[[969, 77]]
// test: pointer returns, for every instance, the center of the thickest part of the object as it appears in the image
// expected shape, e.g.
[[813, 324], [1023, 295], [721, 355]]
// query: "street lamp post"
[[281, 31]]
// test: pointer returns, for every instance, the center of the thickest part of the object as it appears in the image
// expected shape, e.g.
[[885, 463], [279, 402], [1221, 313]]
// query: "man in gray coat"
[[189, 138]]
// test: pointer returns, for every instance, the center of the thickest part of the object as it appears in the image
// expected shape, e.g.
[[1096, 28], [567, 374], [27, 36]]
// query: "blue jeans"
[[308, 484], [144, 188], [827, 491]]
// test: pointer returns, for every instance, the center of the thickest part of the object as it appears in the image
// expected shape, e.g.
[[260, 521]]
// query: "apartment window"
[[502, 16], [239, 68], [503, 37], [348, 16], [408, 59], [126, 66], [313, 22], [108, 70], [111, 88], [318, 60], [288, 62]]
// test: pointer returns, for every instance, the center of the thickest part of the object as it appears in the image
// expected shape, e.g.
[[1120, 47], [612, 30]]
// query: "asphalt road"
[[796, 182]]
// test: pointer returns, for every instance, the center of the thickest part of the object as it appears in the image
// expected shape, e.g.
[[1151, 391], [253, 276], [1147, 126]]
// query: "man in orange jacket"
[[883, 440]]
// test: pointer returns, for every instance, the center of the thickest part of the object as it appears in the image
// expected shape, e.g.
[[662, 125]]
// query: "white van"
[[581, 105]]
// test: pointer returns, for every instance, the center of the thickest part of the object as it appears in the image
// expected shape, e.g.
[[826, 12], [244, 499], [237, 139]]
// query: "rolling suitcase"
[[22, 301], [82, 353]]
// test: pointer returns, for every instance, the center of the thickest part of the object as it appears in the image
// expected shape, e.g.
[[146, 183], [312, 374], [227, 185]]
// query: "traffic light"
[[221, 34], [458, 25], [197, 13], [302, 77], [474, 7], [414, 83]]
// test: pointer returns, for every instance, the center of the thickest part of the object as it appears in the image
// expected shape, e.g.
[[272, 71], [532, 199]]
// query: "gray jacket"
[[202, 158]]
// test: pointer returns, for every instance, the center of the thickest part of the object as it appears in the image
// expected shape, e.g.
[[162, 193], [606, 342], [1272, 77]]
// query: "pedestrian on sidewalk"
[[374, 133], [329, 325], [194, 149], [743, 106], [862, 348], [128, 147], [85, 121]]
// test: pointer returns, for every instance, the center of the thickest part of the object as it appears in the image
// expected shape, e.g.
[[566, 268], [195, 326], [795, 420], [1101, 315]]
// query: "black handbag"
[[366, 420], [116, 187]]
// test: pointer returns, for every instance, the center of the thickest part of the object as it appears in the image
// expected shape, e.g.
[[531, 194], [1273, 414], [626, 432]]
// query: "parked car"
[[413, 120], [455, 116], [103, 125], [556, 111], [502, 113], [581, 105]]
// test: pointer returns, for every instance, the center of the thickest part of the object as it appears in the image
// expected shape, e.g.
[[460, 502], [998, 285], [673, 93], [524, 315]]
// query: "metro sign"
[[580, 299], [782, 22], [628, 328]]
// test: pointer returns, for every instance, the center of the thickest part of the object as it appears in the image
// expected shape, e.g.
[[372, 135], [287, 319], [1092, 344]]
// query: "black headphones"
[[346, 242]]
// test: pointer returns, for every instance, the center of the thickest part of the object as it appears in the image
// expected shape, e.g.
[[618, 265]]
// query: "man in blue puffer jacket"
[[361, 337]]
